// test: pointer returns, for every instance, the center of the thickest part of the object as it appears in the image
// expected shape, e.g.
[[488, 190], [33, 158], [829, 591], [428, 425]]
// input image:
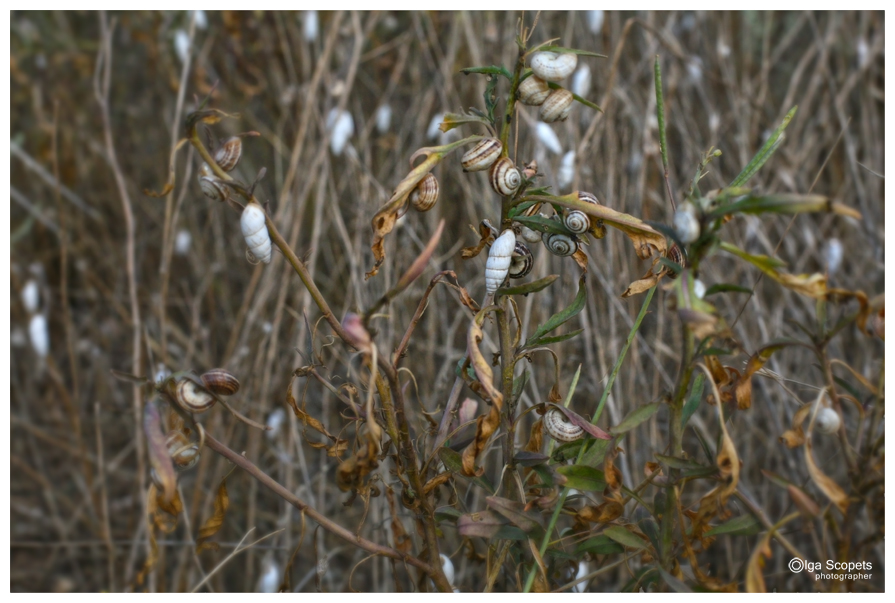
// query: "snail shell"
[[597, 228], [532, 237], [828, 420], [193, 397], [559, 428], [521, 262], [677, 256], [424, 196], [533, 91], [552, 66], [210, 184], [184, 453], [560, 244], [227, 156], [576, 221], [220, 381], [481, 156], [255, 232], [500, 257], [557, 106], [504, 177], [685, 223]]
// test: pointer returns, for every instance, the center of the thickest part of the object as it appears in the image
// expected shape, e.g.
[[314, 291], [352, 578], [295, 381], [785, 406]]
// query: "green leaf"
[[518, 209], [455, 120], [693, 399], [635, 418], [561, 317], [811, 285], [649, 527], [779, 480], [447, 514], [519, 384], [660, 114], [765, 152], [564, 50], [527, 521], [530, 459], [556, 338], [724, 287], [595, 453], [679, 463], [453, 462], [569, 450], [549, 476], [491, 70], [526, 288], [582, 477], [625, 537], [599, 545], [541, 224], [671, 265], [744, 525], [673, 583], [784, 203]]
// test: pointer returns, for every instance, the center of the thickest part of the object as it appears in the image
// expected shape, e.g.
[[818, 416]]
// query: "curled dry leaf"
[[485, 425], [756, 361], [485, 234], [796, 436], [159, 459], [384, 220], [214, 523]]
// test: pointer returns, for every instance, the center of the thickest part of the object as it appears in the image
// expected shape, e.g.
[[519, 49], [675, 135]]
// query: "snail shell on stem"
[[559, 428], [210, 184], [482, 156], [193, 397], [560, 244], [220, 381], [557, 106], [828, 420], [183, 453], [254, 229], [533, 91], [521, 262], [505, 179], [552, 66], [228, 154], [499, 259], [576, 221], [424, 196]]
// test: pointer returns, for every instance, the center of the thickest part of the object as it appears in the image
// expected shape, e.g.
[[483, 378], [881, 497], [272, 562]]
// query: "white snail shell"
[[552, 66], [500, 256], [193, 397], [686, 224], [504, 177], [560, 244], [210, 184], [482, 156], [828, 420], [576, 221], [557, 106], [184, 453], [255, 232], [532, 237], [521, 262], [533, 91], [227, 156], [559, 428], [424, 196]]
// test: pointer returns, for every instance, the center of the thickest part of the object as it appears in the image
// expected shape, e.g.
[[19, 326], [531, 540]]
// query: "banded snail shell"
[[254, 229], [500, 257], [557, 106], [220, 381], [482, 156], [228, 154], [211, 185], [504, 177], [552, 66], [521, 262], [576, 221], [597, 228], [192, 397], [677, 256], [559, 428], [560, 244], [533, 91], [424, 196], [828, 420], [183, 453]]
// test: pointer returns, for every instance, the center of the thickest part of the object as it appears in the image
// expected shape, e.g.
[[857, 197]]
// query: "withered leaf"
[[158, 450], [485, 425], [214, 523]]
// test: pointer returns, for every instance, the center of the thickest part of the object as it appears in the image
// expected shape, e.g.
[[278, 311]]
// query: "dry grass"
[[76, 519]]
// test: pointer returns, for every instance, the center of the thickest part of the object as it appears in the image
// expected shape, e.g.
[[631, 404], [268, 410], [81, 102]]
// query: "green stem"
[[565, 491]]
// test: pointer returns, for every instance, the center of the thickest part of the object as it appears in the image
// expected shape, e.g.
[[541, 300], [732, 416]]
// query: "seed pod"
[[211, 185], [192, 397], [220, 381], [424, 196], [521, 262], [828, 420], [255, 232], [559, 428], [482, 156], [560, 244], [557, 106], [576, 221], [499, 259], [686, 224], [552, 66], [533, 91], [227, 156], [504, 177]]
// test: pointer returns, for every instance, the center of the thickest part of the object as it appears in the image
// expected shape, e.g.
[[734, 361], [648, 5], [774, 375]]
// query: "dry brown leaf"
[[581, 259], [214, 523], [488, 424], [485, 235], [754, 577], [830, 488]]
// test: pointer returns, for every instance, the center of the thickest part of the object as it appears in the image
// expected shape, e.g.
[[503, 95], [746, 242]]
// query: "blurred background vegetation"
[[76, 521]]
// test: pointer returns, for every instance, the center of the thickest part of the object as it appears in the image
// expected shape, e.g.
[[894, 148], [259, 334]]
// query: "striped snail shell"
[[677, 256], [184, 453], [559, 428], [521, 262], [255, 232], [481, 156], [552, 66], [533, 91], [557, 106], [192, 397], [560, 244], [504, 177], [220, 381], [228, 154], [424, 196], [576, 221], [500, 257], [210, 184], [597, 228]]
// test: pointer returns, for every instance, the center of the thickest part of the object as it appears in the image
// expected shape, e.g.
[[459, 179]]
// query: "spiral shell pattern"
[[227, 156], [210, 184], [504, 177], [521, 262], [559, 428], [193, 397], [557, 106], [255, 232], [560, 244], [576, 221], [184, 453], [552, 66], [677, 256], [482, 156], [597, 228], [533, 91], [500, 256], [220, 381], [424, 196]]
